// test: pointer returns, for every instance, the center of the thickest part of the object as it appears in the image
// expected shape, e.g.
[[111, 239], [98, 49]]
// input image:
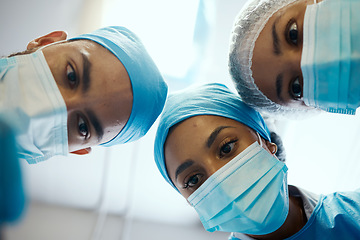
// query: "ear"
[[272, 147], [82, 151], [47, 39]]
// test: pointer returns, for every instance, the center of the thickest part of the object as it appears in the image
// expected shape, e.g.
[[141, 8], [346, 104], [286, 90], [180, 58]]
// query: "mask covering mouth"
[[247, 195], [31, 102], [330, 60]]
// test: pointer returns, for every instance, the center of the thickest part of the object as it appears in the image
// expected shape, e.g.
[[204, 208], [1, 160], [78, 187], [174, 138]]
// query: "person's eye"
[[296, 89], [193, 181], [83, 128], [227, 148], [71, 76], [292, 33]]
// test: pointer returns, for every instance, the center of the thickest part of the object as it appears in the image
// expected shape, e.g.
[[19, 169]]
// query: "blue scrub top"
[[336, 216]]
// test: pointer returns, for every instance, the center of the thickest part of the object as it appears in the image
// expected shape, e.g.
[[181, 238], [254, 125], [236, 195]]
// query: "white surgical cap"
[[247, 26]]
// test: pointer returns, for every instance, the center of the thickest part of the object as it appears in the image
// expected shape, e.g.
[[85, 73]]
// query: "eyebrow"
[[182, 167], [279, 84], [275, 37], [86, 72], [96, 124], [214, 134]]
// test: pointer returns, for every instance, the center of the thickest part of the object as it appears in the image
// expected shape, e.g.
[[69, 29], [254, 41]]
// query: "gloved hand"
[[12, 197]]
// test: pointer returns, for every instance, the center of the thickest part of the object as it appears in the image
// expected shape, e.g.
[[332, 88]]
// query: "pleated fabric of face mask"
[[248, 195], [330, 59], [32, 104]]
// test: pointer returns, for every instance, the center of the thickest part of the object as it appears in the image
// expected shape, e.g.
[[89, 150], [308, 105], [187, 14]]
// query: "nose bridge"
[[77, 102], [213, 166], [295, 59]]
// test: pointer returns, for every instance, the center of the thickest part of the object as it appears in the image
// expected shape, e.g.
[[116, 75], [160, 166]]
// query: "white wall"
[[44, 222]]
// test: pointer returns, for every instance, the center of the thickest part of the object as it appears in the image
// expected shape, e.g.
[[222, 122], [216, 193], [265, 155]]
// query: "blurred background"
[[118, 193]]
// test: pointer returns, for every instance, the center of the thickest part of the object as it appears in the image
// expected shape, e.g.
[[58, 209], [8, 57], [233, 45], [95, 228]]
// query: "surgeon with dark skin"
[[218, 154], [266, 50]]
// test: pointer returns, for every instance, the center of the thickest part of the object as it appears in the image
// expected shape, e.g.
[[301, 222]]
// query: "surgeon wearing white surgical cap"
[[100, 88], [267, 52]]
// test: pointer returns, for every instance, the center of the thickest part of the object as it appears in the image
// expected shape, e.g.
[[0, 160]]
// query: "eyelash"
[[81, 120], [291, 89], [289, 25], [70, 75], [188, 183], [227, 143]]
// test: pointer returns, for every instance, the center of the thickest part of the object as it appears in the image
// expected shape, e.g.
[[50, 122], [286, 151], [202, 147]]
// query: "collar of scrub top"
[[210, 99], [148, 86]]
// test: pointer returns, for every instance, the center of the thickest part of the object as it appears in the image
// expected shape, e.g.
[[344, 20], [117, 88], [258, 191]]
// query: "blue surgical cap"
[[210, 99], [148, 86]]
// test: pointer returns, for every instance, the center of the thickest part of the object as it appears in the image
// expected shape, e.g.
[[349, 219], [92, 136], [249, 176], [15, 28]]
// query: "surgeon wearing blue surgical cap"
[[216, 152], [112, 89], [214, 102]]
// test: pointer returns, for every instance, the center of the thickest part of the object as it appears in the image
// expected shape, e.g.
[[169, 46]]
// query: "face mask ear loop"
[[50, 44], [260, 141]]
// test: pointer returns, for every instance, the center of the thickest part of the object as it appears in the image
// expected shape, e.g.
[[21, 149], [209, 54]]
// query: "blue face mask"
[[32, 103], [248, 195], [330, 59]]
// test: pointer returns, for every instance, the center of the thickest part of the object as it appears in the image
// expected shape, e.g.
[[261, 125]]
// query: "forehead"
[[198, 126], [190, 136]]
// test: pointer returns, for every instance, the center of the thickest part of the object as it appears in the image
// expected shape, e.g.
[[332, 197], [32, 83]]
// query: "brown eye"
[[71, 76], [193, 181], [83, 128], [293, 33], [296, 89], [227, 148]]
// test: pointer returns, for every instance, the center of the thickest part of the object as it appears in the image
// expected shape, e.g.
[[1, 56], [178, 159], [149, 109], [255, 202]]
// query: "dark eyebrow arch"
[[279, 84], [96, 124], [182, 167], [86, 72], [276, 44], [214, 134]]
